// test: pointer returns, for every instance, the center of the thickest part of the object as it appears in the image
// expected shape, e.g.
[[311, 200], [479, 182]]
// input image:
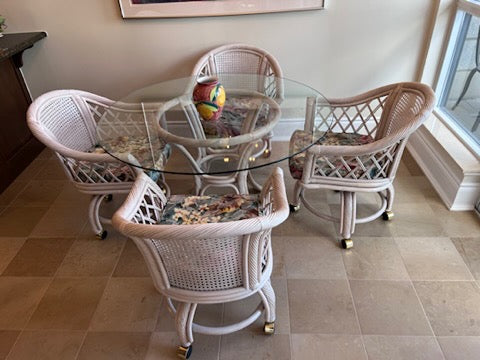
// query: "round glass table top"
[[248, 124]]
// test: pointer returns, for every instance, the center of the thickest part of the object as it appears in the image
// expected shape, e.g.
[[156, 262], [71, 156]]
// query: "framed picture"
[[182, 8]]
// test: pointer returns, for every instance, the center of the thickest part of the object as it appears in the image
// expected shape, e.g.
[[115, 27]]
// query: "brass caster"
[[294, 208], [347, 243], [184, 352], [108, 198], [102, 235], [269, 328], [267, 153], [387, 215]]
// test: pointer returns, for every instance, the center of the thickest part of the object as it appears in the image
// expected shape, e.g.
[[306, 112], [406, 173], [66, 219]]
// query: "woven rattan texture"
[[96, 172], [72, 131], [366, 167], [363, 118], [202, 265]]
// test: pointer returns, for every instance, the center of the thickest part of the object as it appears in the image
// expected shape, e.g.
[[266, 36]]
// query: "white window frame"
[[463, 6]]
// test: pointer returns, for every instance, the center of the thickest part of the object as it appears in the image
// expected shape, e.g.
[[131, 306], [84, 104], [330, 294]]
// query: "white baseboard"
[[458, 191]]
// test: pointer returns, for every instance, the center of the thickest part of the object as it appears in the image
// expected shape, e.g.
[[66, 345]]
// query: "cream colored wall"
[[351, 46]]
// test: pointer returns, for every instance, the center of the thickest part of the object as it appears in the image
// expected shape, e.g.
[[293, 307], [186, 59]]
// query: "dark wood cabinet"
[[18, 147]]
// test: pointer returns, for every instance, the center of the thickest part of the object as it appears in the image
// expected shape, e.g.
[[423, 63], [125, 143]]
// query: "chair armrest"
[[127, 216], [274, 189], [144, 204], [354, 150]]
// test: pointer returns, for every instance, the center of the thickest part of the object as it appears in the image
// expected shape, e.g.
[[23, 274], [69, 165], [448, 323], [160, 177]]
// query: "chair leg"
[[268, 147], [256, 186], [297, 191], [347, 217], [183, 323], [242, 180], [390, 197], [268, 298], [94, 217], [465, 87], [198, 184], [163, 184]]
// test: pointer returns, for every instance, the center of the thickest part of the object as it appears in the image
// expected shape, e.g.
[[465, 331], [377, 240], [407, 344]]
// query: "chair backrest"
[[407, 107], [66, 119], [389, 115], [396, 109], [192, 260], [243, 59]]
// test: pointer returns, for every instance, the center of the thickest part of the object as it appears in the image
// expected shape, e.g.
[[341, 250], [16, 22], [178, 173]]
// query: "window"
[[459, 99]]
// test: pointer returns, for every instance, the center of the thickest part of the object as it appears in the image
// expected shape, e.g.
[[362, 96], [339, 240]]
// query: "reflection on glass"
[[462, 100]]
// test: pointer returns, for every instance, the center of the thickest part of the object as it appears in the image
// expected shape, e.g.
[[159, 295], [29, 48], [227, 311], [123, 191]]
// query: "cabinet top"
[[11, 44]]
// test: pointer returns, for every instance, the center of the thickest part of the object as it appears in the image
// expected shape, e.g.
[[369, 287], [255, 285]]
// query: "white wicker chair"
[[381, 120], [65, 121], [206, 263], [245, 59]]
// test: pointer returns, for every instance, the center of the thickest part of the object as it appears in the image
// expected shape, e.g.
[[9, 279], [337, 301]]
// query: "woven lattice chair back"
[[362, 148], [189, 260], [243, 59]]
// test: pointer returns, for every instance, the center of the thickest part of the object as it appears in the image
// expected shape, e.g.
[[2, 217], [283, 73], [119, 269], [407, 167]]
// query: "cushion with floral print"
[[301, 139], [233, 116], [140, 148], [187, 210]]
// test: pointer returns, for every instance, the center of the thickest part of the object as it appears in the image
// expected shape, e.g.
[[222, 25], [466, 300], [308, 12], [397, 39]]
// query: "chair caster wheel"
[[294, 208], [269, 328], [184, 352], [347, 243], [102, 235], [108, 198], [266, 154], [387, 215]]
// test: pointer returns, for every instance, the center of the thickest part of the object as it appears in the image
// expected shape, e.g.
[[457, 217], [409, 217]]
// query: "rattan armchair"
[[66, 122], [244, 59], [361, 151], [206, 259]]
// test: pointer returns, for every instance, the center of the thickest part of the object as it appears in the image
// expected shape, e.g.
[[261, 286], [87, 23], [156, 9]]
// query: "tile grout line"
[[428, 320], [288, 309], [418, 298], [100, 298], [30, 317], [81, 344], [463, 260], [104, 289], [354, 306]]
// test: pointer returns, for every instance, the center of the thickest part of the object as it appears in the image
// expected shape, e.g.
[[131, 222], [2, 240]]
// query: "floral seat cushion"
[[187, 210], [233, 116], [301, 139], [139, 147]]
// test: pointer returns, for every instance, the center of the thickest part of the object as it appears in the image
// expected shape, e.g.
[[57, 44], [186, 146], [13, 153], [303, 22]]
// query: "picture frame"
[[175, 9]]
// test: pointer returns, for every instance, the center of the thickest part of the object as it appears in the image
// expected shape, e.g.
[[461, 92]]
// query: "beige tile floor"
[[409, 289]]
